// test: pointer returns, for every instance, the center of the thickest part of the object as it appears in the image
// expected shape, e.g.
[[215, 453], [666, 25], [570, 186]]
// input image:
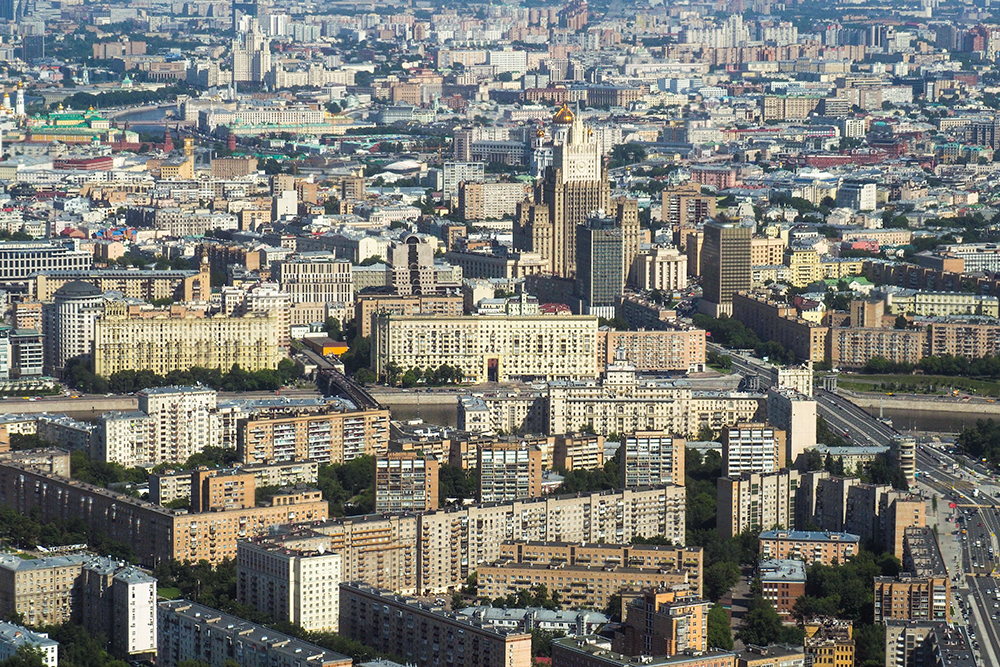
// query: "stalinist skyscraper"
[[574, 185]]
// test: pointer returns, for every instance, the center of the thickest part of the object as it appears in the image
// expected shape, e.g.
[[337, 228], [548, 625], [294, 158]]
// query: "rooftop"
[[782, 570], [922, 554], [598, 647], [809, 536], [300, 651]]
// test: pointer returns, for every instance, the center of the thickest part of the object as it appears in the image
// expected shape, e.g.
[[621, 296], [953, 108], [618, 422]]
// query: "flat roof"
[[300, 651], [809, 536]]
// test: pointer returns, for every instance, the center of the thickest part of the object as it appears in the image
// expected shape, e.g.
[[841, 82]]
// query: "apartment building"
[[663, 622], [455, 542], [578, 451], [367, 305], [795, 414], [923, 591], [851, 347], [508, 471], [424, 635], [316, 277], [685, 207], [406, 482], [826, 548], [675, 349], [488, 349], [182, 421], [336, 435], [596, 651], [782, 582], [650, 458], [899, 511], [489, 201], [918, 643], [154, 533], [752, 447], [146, 284], [298, 585], [15, 637], [588, 575], [830, 642], [161, 341], [192, 632], [168, 486], [781, 323], [756, 500], [106, 597]]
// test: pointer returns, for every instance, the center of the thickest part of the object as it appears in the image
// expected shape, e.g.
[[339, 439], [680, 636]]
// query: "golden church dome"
[[540, 132], [564, 116]]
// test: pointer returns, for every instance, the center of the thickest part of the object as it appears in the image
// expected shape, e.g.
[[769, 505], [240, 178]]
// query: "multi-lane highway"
[[850, 421]]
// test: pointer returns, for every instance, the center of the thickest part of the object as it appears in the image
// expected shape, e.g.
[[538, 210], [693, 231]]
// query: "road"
[[99, 403], [973, 527], [850, 421]]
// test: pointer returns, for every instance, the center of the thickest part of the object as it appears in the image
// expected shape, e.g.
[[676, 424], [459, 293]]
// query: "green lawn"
[[918, 384], [169, 593]]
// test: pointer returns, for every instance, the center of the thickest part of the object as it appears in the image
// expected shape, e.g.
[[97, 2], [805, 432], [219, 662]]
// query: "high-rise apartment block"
[[406, 482], [752, 447], [298, 585], [104, 596], [725, 266], [183, 421], [652, 457], [756, 500], [509, 471], [316, 277], [663, 622], [69, 324], [333, 436]]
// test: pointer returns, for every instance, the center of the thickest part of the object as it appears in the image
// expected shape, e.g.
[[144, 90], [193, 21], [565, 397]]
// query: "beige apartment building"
[[161, 342], [367, 305], [317, 278], [407, 626], [756, 500], [664, 622], [300, 586], [488, 349], [587, 575], [406, 482], [675, 349], [147, 285], [329, 437], [508, 471], [826, 548], [155, 533], [578, 451], [169, 486]]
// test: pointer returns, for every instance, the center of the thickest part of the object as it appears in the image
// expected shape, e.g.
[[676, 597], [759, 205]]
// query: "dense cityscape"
[[511, 334]]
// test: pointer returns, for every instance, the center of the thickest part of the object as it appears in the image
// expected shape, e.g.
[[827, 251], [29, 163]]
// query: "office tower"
[[626, 212], [651, 458], [725, 266], [573, 186], [509, 471], [752, 448], [251, 54], [599, 254], [406, 482], [33, 48]]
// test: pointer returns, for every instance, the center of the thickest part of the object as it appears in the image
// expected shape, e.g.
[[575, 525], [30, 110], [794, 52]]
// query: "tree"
[[27, 655], [719, 633], [719, 578], [761, 625], [901, 322]]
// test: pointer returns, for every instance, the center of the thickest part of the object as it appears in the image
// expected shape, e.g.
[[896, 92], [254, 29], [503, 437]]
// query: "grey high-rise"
[[725, 266]]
